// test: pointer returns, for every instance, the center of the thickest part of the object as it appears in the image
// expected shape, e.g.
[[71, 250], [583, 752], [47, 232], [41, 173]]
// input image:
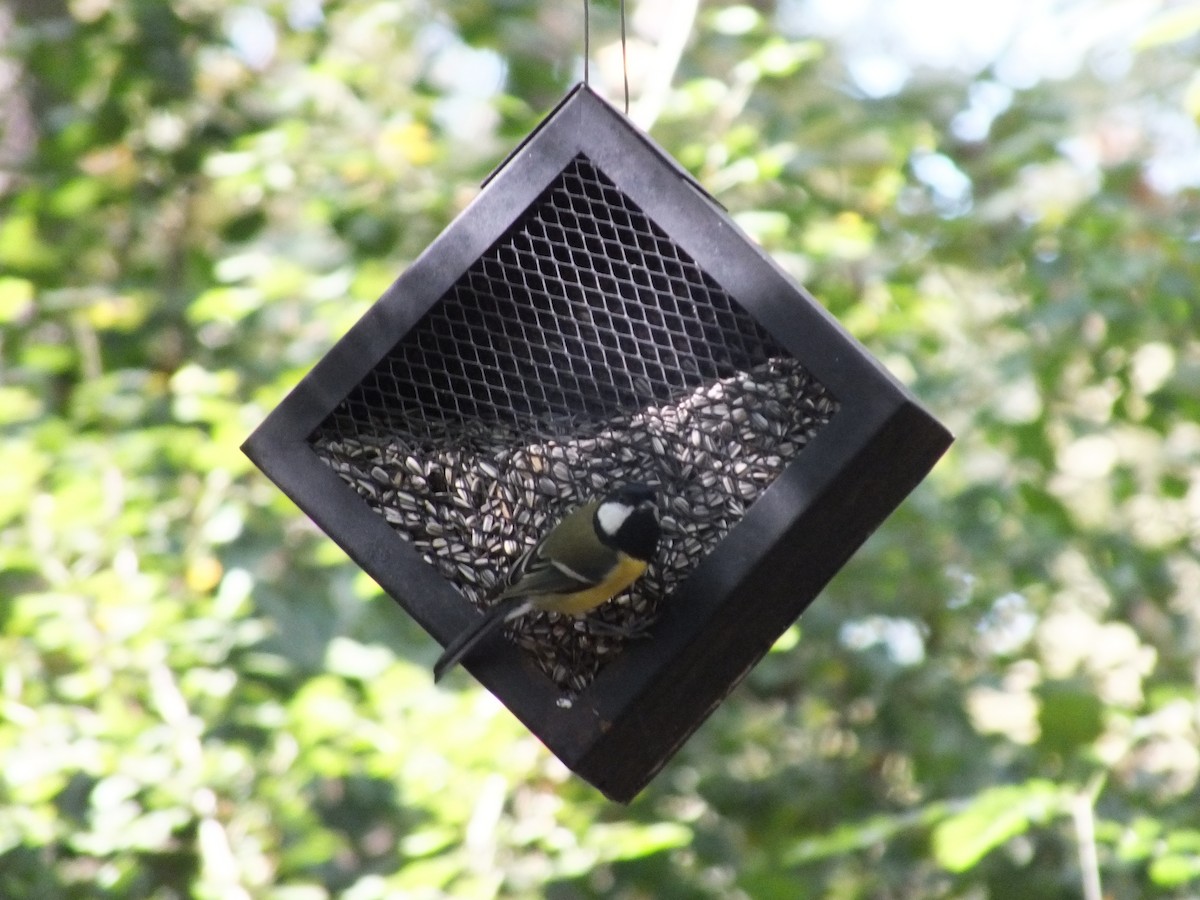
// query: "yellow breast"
[[627, 571]]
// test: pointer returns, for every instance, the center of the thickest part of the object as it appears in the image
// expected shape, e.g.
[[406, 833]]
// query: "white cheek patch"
[[612, 516]]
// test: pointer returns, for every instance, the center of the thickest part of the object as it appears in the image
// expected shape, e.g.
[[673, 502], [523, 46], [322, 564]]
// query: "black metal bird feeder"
[[595, 318]]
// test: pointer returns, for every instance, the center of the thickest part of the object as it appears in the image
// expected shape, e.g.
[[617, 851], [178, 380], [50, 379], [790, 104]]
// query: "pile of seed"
[[472, 501]]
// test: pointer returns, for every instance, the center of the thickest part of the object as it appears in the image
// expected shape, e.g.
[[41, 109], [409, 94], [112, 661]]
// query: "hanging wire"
[[624, 58], [587, 49]]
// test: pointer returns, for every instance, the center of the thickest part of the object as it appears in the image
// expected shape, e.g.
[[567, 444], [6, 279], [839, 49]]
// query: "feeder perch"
[[594, 318]]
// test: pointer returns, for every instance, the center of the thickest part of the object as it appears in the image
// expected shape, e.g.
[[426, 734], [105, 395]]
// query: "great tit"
[[589, 557]]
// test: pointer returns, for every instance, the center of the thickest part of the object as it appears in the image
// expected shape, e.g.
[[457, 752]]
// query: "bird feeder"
[[595, 318]]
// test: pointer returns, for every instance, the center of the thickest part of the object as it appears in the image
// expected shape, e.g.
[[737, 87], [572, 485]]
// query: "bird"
[[589, 557]]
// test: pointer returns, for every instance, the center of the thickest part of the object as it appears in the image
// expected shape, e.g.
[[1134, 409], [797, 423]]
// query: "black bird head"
[[627, 519]]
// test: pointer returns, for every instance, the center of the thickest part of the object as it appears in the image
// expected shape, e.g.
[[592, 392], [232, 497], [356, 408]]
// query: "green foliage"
[[992, 818], [200, 696]]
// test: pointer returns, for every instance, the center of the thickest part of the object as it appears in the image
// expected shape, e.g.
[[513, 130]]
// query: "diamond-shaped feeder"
[[595, 318]]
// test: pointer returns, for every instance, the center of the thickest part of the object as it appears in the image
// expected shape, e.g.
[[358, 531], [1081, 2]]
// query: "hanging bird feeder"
[[595, 318]]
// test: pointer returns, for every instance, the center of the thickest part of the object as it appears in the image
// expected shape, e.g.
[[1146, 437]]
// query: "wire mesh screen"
[[582, 351]]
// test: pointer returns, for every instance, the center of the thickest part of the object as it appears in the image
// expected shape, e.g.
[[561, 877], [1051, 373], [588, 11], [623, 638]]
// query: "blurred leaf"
[[22, 247], [779, 59], [1174, 870], [992, 818], [621, 841], [854, 836], [1070, 716], [1170, 26], [16, 299]]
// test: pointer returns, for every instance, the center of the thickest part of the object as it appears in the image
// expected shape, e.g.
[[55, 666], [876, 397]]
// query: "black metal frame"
[[641, 707]]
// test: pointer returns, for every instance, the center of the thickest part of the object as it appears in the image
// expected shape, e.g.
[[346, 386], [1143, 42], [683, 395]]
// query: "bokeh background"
[[201, 697]]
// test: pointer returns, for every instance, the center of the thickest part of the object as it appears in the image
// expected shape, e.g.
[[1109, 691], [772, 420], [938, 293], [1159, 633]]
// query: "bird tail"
[[506, 609]]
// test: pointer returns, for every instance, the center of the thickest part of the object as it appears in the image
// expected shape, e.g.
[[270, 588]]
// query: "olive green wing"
[[570, 558]]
